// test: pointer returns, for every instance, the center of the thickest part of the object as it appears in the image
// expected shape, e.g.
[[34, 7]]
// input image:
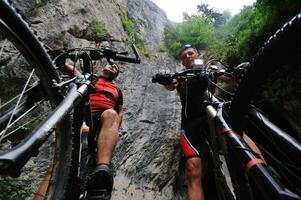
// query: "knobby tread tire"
[[283, 46], [65, 169]]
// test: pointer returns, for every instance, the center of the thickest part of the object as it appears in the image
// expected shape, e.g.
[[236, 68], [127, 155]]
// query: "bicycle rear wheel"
[[272, 84], [21, 55]]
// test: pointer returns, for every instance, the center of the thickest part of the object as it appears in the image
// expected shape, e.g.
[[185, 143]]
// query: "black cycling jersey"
[[192, 95]]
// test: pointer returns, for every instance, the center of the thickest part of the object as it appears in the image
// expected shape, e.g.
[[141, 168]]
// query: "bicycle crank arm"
[[14, 160]]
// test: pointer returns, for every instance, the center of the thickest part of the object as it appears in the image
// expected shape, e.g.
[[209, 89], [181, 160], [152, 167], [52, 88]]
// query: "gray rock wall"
[[147, 155]]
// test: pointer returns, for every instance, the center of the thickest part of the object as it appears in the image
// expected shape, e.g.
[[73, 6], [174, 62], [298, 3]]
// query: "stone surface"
[[147, 156]]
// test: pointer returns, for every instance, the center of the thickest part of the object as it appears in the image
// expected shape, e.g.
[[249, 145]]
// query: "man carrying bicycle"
[[193, 117], [106, 102], [191, 95]]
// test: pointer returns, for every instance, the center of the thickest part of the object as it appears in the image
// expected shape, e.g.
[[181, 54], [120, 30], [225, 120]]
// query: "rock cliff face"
[[148, 153]]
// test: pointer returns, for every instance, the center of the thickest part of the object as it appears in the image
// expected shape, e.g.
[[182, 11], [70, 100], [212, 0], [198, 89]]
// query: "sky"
[[175, 8]]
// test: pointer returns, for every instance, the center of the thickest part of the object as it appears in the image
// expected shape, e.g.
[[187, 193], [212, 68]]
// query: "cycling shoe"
[[100, 184]]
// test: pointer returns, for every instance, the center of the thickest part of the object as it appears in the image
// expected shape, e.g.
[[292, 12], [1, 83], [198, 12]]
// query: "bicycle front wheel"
[[272, 84], [27, 96]]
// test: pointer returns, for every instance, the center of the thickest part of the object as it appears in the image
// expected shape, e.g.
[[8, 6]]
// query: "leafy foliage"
[[236, 40], [239, 35], [215, 18], [99, 30], [129, 26], [246, 32], [15, 190], [195, 30]]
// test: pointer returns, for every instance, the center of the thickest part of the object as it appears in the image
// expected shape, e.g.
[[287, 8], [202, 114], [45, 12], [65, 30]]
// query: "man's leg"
[[101, 181], [194, 171], [108, 136], [191, 144]]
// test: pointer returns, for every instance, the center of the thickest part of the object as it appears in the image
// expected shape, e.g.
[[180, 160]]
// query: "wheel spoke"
[[4, 135], [16, 107]]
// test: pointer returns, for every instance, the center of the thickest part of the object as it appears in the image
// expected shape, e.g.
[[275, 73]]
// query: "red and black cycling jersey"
[[105, 96]]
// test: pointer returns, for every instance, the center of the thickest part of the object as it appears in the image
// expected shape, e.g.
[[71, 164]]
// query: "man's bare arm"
[[71, 70]]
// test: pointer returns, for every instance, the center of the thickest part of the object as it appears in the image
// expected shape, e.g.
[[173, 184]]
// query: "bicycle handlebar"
[[234, 73], [118, 56], [186, 74], [59, 56]]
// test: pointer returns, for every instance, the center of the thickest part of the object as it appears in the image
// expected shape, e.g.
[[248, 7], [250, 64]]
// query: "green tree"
[[239, 36], [244, 34], [194, 30], [216, 18], [235, 39]]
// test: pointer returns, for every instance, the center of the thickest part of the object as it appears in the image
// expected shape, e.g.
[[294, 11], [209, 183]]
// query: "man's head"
[[110, 71], [188, 55]]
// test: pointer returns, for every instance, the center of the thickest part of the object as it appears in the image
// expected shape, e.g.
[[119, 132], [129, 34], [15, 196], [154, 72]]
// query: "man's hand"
[[163, 79]]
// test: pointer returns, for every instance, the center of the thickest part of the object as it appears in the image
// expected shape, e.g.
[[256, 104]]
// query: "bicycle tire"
[[287, 39], [65, 161], [268, 59]]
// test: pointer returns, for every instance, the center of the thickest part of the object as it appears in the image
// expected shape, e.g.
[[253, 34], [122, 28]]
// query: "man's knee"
[[109, 114], [194, 168]]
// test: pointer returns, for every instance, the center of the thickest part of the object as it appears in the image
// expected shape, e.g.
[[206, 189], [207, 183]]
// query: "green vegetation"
[[15, 190], [194, 30], [98, 29], [129, 26], [25, 186], [236, 39], [94, 32], [162, 50]]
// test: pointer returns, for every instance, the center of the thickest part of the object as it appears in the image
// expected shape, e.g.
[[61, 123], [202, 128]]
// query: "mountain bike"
[[42, 108], [270, 168]]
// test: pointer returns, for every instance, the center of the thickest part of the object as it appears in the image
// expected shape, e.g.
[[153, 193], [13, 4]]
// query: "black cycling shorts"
[[192, 137], [94, 133]]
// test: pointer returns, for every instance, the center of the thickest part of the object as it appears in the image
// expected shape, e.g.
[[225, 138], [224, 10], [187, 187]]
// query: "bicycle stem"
[[13, 161]]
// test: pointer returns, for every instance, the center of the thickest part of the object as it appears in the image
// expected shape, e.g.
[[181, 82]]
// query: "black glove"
[[163, 79]]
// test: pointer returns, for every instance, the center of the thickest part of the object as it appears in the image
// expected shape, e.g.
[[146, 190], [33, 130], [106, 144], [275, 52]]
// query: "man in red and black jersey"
[[107, 113]]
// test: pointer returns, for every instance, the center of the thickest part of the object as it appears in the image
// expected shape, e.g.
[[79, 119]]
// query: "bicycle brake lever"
[[62, 84]]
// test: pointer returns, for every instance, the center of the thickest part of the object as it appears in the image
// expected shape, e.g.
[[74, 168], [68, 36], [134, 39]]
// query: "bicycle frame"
[[13, 161], [240, 156]]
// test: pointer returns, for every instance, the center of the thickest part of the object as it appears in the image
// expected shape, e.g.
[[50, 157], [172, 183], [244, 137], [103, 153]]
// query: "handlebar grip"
[[154, 80], [127, 59], [121, 57], [163, 79]]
